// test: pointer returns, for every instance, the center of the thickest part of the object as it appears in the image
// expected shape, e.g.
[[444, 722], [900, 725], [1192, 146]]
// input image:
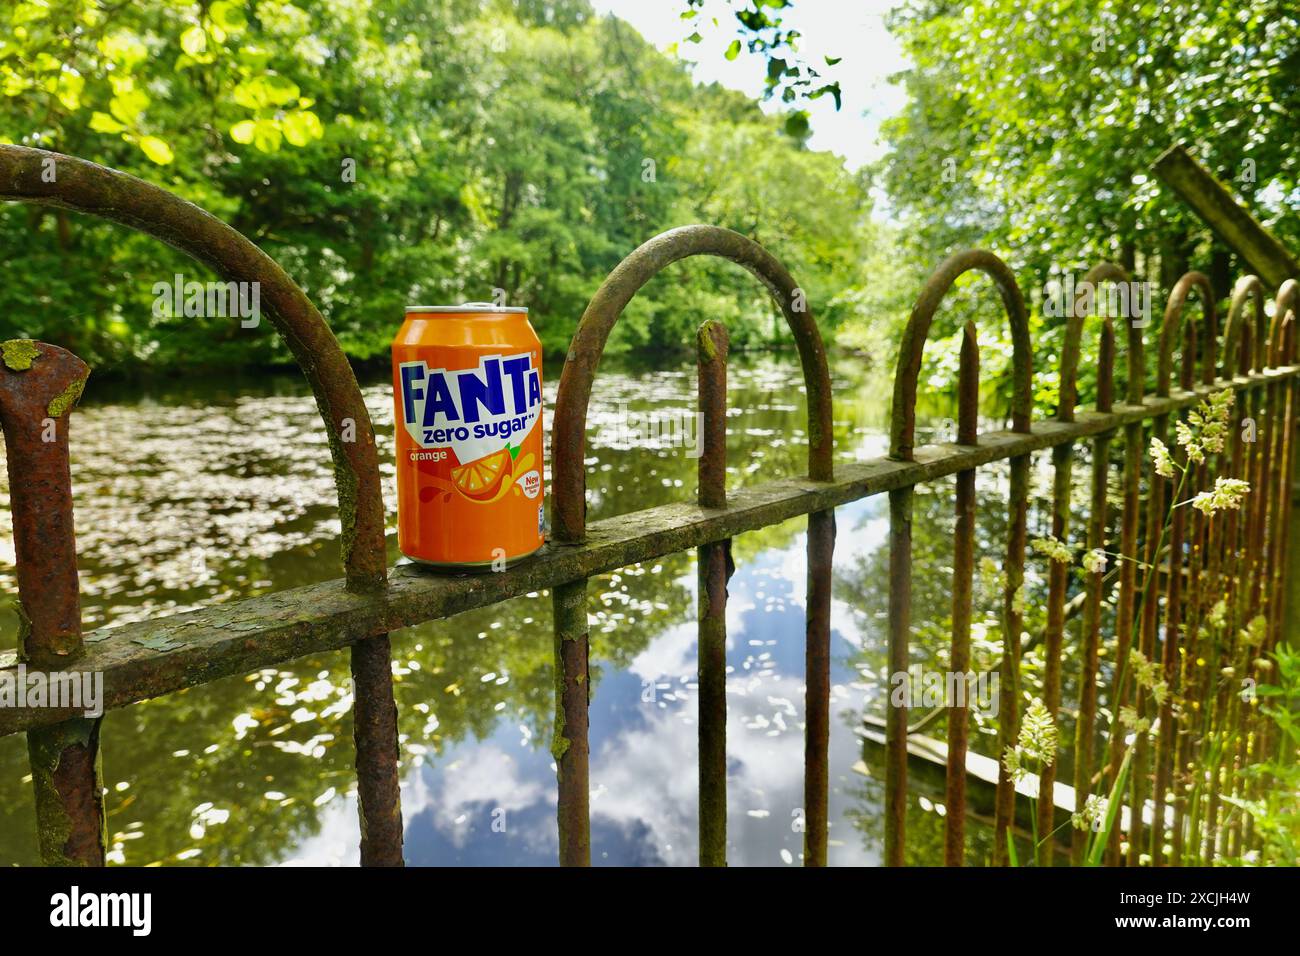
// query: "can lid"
[[469, 307]]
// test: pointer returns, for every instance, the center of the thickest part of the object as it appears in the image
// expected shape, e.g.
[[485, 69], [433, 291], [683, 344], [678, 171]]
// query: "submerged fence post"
[[714, 569], [39, 386]]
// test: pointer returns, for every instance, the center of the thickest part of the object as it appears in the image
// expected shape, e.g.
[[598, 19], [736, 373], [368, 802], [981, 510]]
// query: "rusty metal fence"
[[1246, 554]]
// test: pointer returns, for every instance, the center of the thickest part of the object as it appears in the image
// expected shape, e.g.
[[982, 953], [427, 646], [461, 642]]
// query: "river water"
[[211, 490]]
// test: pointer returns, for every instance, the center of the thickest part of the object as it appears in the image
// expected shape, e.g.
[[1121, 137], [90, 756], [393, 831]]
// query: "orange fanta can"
[[467, 389]]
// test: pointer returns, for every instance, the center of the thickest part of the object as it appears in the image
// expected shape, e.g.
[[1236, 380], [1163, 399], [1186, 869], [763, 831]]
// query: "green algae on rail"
[[18, 354]]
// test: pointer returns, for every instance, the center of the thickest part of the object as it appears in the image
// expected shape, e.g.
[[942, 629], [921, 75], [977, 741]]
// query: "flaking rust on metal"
[[36, 378], [65, 772], [902, 427]]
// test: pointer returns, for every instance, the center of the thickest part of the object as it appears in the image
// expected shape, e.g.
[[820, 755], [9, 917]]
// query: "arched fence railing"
[[1242, 557]]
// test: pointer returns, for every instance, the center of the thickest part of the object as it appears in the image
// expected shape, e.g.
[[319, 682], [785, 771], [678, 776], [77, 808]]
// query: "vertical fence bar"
[[1284, 415], [1208, 585], [713, 568], [1085, 725], [569, 743], [1249, 351], [1252, 546], [569, 512], [1171, 333], [1167, 738], [1286, 493], [1283, 470], [1200, 647], [1146, 643], [1013, 568], [1057, 580], [374, 717], [900, 627], [902, 436], [39, 386], [1058, 575], [1269, 532], [817, 669], [1126, 609], [963, 569]]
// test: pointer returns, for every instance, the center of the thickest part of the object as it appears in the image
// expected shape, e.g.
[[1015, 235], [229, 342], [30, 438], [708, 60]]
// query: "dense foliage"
[[393, 151], [1031, 127]]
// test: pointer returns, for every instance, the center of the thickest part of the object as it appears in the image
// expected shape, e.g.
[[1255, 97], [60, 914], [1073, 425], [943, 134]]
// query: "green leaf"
[[194, 41], [266, 136], [69, 89], [733, 50], [228, 16], [103, 123], [123, 47], [264, 92], [242, 132], [156, 150], [128, 105], [832, 88], [279, 89], [301, 127]]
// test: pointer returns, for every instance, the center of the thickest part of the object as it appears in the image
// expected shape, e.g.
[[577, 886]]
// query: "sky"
[[851, 29]]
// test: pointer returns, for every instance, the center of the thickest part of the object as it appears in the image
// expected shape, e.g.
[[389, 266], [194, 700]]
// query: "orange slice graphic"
[[480, 480]]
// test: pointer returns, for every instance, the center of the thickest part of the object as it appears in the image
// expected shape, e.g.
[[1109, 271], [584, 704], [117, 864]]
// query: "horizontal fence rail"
[[1244, 554], [242, 636]]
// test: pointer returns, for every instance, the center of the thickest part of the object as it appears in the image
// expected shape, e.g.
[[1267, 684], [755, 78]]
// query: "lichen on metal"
[[66, 400], [18, 354]]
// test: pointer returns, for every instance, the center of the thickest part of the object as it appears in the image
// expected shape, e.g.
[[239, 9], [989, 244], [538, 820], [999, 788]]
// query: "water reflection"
[[215, 491]]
